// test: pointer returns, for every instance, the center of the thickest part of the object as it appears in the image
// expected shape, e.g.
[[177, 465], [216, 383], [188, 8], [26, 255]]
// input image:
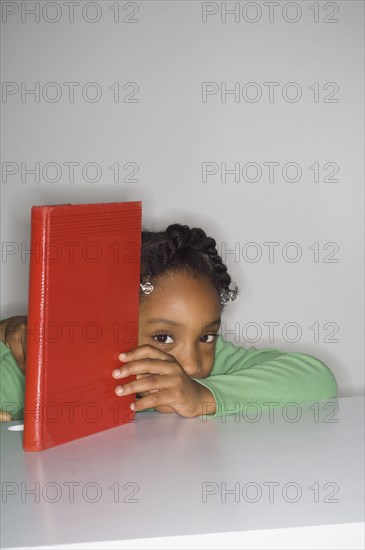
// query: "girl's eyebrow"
[[213, 323], [169, 322]]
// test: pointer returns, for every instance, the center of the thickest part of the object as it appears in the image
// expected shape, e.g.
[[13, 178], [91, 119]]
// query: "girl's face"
[[182, 317]]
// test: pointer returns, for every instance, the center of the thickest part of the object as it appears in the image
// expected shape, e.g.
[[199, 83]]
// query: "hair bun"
[[178, 235]]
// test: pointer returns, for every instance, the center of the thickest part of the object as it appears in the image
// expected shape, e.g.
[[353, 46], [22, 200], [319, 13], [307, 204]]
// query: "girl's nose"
[[191, 362]]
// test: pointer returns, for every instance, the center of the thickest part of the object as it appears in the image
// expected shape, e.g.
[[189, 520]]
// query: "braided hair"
[[180, 248]]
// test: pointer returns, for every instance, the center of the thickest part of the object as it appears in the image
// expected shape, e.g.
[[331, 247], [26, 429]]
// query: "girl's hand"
[[162, 381], [5, 417]]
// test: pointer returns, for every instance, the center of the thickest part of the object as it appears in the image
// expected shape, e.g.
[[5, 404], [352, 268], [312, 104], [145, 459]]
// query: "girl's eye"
[[161, 338], [209, 338]]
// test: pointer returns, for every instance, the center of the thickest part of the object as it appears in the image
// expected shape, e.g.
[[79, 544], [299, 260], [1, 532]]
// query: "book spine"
[[36, 332]]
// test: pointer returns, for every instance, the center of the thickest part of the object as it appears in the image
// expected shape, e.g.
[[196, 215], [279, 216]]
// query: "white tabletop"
[[164, 481]]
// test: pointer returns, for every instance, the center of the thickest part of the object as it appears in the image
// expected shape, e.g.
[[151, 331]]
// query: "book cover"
[[82, 313]]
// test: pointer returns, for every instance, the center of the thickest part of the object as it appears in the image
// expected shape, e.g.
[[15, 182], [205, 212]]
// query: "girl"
[[181, 363]]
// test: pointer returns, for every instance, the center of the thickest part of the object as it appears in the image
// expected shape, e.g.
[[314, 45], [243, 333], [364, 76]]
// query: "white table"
[[164, 481]]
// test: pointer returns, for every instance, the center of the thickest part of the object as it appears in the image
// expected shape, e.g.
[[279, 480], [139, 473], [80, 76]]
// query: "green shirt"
[[240, 377], [12, 384]]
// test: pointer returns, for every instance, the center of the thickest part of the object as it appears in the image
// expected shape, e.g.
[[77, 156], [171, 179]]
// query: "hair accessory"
[[146, 285], [228, 296]]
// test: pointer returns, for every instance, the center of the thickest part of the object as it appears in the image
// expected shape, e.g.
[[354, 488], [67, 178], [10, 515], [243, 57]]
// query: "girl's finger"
[[145, 352], [151, 401], [5, 417], [143, 366], [144, 393], [150, 384], [141, 376]]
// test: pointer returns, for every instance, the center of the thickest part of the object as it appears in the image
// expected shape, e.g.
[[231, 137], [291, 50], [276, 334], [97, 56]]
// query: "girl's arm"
[[12, 367], [13, 333], [266, 378]]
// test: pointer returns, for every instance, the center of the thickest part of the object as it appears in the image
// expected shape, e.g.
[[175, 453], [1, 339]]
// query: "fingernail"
[[122, 356], [119, 390], [132, 406], [116, 373]]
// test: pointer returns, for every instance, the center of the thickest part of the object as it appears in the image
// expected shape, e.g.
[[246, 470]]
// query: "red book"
[[82, 313]]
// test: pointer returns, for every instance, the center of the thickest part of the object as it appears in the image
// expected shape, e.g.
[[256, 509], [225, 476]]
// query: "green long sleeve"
[[265, 377], [12, 384]]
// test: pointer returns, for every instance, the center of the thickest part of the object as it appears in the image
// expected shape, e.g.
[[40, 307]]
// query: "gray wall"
[[296, 69]]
